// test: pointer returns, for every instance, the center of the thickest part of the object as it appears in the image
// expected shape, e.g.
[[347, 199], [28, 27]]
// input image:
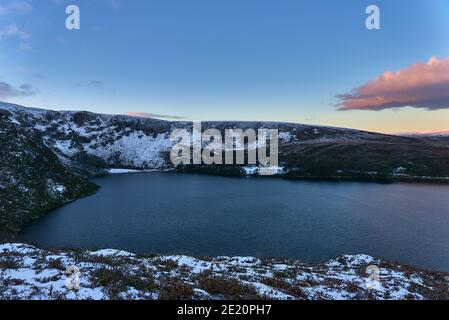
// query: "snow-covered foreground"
[[27, 272]]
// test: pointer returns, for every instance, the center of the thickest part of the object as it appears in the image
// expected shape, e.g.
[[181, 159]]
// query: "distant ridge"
[[430, 133]]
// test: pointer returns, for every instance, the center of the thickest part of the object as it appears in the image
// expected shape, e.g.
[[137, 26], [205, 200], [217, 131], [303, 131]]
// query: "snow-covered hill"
[[95, 141], [119, 141], [140, 142], [30, 273]]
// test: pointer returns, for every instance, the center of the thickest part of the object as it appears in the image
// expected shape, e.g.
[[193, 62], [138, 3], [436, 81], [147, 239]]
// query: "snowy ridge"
[[142, 143], [117, 140], [91, 143], [30, 273], [430, 134]]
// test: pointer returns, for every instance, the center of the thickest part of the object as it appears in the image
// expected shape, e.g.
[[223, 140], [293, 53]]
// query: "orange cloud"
[[422, 85]]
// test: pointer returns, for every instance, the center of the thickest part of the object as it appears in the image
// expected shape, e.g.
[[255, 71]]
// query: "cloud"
[[13, 31], [422, 85], [9, 91], [27, 72], [152, 115], [96, 84], [25, 46], [15, 6], [92, 84]]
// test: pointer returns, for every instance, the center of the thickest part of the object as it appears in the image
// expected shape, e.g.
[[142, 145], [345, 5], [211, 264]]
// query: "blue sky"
[[282, 60]]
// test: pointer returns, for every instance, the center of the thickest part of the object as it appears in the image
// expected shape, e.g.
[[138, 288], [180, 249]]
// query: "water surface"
[[208, 216]]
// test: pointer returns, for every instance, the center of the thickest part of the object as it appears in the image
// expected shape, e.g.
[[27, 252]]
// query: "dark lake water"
[[209, 216]]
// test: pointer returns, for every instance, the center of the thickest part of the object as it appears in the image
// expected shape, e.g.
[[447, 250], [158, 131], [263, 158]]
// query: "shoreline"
[[13, 236], [368, 179]]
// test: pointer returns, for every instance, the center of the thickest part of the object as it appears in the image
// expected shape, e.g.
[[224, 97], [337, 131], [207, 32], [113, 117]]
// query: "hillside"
[[30, 273], [46, 156], [32, 179], [92, 142]]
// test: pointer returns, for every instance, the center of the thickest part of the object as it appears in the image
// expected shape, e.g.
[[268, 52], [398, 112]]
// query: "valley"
[[48, 156]]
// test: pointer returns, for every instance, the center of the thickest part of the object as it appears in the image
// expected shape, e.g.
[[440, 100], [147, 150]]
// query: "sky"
[[303, 61]]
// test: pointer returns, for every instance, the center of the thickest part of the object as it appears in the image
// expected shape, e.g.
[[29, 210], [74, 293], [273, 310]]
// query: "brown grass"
[[171, 289], [227, 288]]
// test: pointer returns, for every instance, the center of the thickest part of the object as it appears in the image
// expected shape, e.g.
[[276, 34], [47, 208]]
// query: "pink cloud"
[[422, 85]]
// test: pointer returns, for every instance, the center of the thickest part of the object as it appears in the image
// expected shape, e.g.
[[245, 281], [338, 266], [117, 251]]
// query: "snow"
[[135, 150], [285, 136], [60, 188], [195, 265], [250, 170], [262, 171], [352, 260], [34, 275], [55, 188], [265, 290], [400, 171], [123, 146], [111, 252], [432, 133], [111, 138], [269, 171], [40, 127], [14, 108], [122, 171], [65, 147], [14, 120], [144, 144]]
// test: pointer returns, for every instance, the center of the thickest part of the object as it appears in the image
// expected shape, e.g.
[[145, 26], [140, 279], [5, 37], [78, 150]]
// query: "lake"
[[202, 215]]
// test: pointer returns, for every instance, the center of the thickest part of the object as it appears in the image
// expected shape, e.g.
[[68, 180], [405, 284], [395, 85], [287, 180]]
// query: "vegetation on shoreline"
[[30, 273], [295, 174]]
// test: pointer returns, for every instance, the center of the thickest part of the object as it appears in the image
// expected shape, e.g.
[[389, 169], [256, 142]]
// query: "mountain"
[[429, 134], [92, 142], [47, 156], [438, 137]]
